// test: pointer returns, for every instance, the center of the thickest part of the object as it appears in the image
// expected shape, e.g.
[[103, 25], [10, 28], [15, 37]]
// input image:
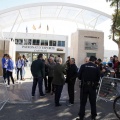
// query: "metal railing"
[[109, 89], [4, 98]]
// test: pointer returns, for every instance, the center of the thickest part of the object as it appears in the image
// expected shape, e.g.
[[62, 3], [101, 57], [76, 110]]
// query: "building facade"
[[85, 43], [31, 45]]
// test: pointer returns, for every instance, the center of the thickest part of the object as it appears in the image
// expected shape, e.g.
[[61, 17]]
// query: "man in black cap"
[[89, 74]]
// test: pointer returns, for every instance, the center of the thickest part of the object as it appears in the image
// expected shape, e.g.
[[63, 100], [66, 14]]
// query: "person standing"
[[10, 67], [24, 66], [89, 74], [51, 65], [71, 78], [38, 72], [19, 67], [46, 74], [4, 66], [58, 80]]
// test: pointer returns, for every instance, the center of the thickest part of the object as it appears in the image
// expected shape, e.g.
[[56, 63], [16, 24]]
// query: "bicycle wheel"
[[116, 106]]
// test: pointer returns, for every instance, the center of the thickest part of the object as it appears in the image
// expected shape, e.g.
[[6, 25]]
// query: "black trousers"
[[50, 85], [9, 75], [85, 92], [38, 81], [58, 91], [4, 73], [19, 70], [71, 84]]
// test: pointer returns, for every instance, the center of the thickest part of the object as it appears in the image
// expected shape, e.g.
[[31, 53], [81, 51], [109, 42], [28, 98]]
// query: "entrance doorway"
[[35, 55]]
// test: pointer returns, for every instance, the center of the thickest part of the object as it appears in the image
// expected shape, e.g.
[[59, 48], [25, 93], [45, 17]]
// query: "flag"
[[39, 26], [26, 29], [34, 28], [47, 27]]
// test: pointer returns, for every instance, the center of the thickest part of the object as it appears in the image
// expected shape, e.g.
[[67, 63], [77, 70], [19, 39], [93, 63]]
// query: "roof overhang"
[[52, 10]]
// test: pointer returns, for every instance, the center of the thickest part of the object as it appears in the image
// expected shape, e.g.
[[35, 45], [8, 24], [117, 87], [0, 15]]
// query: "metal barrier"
[[4, 98], [109, 89]]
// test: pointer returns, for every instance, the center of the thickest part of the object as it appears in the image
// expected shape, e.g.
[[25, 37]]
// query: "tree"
[[115, 28]]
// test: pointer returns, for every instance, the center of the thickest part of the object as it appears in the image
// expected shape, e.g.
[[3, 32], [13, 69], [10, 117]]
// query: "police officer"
[[89, 74]]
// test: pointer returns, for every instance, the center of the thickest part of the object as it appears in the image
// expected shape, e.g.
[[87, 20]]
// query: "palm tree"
[[115, 28]]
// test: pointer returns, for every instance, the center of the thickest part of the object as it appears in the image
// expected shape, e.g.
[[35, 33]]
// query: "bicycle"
[[111, 86], [116, 106]]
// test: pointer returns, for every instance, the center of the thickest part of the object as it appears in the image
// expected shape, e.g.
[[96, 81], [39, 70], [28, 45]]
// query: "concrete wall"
[[78, 40], [6, 47]]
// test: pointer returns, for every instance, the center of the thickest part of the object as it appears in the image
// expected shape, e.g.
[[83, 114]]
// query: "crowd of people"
[[58, 74], [110, 68], [8, 66], [55, 74]]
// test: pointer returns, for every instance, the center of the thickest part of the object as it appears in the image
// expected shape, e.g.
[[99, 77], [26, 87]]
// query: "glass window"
[[91, 54], [61, 43], [46, 42], [42, 42], [54, 43], [36, 42], [19, 41], [27, 41], [50, 43], [16, 41]]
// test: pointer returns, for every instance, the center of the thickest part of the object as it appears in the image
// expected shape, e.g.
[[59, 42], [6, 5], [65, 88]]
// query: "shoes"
[[79, 118], [8, 85], [58, 105], [33, 96], [70, 104], [52, 93], [5, 82], [43, 95], [23, 79], [93, 118], [48, 92]]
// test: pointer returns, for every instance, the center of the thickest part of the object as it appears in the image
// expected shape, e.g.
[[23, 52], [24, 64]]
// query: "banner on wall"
[[35, 48]]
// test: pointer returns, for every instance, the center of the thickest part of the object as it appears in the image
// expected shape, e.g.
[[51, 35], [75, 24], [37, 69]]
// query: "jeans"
[[38, 80], [19, 69]]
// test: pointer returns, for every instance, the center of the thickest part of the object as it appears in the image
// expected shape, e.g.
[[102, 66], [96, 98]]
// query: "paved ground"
[[21, 106]]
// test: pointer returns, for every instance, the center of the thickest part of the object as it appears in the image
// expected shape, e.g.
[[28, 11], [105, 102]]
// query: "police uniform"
[[89, 74]]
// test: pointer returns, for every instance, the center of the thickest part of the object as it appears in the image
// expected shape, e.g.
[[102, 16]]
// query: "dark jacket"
[[50, 69], [58, 78], [38, 68], [89, 72], [72, 72]]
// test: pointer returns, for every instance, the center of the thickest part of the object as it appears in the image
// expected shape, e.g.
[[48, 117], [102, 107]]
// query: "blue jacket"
[[10, 65], [4, 61], [22, 63]]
